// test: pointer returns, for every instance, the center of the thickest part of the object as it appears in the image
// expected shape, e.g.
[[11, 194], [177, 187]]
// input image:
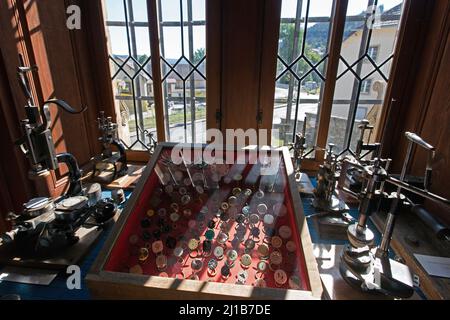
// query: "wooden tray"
[[110, 277]]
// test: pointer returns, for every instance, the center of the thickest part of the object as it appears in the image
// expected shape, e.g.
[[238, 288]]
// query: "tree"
[[142, 58], [198, 55]]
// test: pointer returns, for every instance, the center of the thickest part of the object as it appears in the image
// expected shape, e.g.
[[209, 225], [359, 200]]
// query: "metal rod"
[[423, 193], [365, 41], [390, 220]]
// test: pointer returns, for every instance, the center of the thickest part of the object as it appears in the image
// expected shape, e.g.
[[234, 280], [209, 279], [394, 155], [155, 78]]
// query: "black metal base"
[[394, 278]]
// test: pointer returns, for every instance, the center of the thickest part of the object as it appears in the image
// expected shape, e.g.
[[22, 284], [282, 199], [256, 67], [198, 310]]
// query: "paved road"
[[177, 133]]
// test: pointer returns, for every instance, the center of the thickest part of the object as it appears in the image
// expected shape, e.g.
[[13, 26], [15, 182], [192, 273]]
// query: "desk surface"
[[333, 283], [58, 290]]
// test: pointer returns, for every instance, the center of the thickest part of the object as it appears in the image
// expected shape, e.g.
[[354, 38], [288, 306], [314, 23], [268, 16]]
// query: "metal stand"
[[325, 198], [369, 268], [299, 147], [108, 160]]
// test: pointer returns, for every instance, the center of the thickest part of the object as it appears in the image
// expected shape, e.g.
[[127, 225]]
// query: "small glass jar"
[[185, 199], [222, 238], [218, 253], [157, 247], [263, 251], [241, 277], [225, 272], [178, 253], [261, 209], [260, 283], [249, 245], [285, 232], [232, 255], [259, 194], [276, 258], [295, 283], [269, 220], [253, 219], [291, 247], [212, 265], [161, 262], [236, 191], [143, 254], [276, 242], [246, 261], [174, 216], [196, 265], [136, 269], [280, 277]]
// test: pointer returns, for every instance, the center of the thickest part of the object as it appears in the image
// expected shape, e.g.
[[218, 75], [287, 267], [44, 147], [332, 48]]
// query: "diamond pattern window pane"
[[362, 80]]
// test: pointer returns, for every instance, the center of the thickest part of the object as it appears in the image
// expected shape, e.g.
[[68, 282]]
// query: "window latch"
[[218, 116], [259, 117]]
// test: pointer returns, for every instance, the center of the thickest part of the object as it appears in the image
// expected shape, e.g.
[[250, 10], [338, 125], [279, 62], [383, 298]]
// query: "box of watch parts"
[[210, 223]]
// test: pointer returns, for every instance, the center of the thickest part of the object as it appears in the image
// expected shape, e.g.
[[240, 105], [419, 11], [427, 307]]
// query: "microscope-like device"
[[46, 225], [299, 148], [152, 143], [364, 265], [365, 153], [109, 165]]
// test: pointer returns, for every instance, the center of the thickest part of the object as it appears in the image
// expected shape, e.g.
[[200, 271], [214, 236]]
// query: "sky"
[[171, 12]]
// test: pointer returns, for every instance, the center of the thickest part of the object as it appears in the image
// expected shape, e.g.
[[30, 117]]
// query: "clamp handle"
[[418, 140]]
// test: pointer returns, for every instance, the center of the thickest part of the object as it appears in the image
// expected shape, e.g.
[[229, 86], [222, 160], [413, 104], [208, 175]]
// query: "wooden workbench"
[[408, 225], [335, 287]]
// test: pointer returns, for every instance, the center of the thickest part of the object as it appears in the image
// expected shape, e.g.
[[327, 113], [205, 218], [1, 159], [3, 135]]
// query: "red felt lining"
[[125, 255]]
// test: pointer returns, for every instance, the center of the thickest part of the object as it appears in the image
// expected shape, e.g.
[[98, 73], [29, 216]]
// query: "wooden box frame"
[[118, 285]]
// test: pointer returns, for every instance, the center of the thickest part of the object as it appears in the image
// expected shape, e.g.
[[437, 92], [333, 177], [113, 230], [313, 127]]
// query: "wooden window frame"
[[338, 19], [155, 26], [214, 26]]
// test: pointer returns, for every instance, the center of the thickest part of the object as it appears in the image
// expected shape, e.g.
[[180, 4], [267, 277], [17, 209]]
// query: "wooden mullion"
[[269, 50], [156, 68], [392, 90], [334, 50], [214, 65]]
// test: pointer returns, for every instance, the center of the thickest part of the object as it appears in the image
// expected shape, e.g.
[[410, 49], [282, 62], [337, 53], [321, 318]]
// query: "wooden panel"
[[70, 68], [423, 105], [334, 49], [406, 61], [436, 130], [96, 57]]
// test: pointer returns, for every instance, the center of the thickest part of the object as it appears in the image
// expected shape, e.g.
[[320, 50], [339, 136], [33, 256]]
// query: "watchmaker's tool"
[[47, 227], [152, 143], [299, 147], [325, 198], [363, 265], [37, 142], [353, 177]]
